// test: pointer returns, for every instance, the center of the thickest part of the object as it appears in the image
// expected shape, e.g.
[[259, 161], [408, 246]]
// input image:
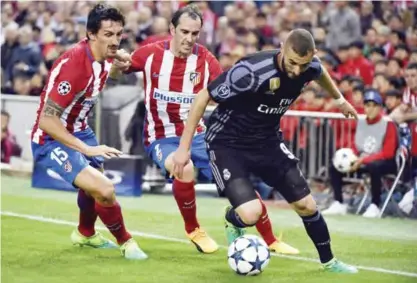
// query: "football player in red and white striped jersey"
[[407, 112], [62, 140], [174, 72]]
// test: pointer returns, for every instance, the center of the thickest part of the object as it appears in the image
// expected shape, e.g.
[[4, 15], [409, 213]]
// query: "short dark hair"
[[5, 113], [103, 12], [394, 92], [378, 50], [399, 62], [301, 41], [191, 10], [412, 66], [381, 61]]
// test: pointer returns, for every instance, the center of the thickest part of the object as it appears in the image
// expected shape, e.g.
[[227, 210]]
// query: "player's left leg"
[[184, 194], [282, 172], [85, 234], [296, 191], [110, 214]]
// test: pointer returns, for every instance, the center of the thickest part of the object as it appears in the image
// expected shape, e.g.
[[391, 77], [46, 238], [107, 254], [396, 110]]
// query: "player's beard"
[[112, 51]]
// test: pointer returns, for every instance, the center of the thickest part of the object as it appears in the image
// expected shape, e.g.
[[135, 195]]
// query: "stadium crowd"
[[363, 45]]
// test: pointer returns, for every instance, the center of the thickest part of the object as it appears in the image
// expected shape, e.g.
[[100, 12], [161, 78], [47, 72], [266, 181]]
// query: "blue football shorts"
[[65, 161], [159, 150]]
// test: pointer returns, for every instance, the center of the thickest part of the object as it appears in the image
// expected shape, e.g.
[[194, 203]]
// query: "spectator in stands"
[[26, 58], [394, 67], [9, 45], [160, 31], [376, 54], [360, 66], [376, 142], [370, 41], [407, 112], [357, 98], [401, 52], [344, 26], [367, 16], [9, 146], [68, 35], [413, 56], [382, 83], [393, 99]]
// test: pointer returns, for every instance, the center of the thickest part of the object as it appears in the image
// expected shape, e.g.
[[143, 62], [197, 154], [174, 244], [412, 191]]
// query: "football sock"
[[316, 228], [235, 219], [184, 194], [264, 225], [112, 217], [88, 215]]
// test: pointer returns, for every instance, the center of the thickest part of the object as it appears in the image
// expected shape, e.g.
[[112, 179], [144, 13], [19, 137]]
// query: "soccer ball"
[[343, 159], [248, 255]]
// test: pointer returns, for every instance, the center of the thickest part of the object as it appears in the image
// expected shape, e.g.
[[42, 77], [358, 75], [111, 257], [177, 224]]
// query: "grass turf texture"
[[39, 251]]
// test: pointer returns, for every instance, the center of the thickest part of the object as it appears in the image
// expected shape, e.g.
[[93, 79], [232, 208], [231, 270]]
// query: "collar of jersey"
[[88, 52]]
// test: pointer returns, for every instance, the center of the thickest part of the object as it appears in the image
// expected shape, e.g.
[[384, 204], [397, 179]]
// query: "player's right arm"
[[124, 64], [57, 100]]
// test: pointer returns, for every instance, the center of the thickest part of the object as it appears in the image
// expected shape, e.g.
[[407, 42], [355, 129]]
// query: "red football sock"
[[264, 225], [88, 215], [112, 217], [184, 194]]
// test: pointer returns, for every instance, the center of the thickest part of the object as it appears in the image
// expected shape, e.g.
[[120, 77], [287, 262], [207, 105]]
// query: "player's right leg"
[[73, 167], [161, 152], [231, 176]]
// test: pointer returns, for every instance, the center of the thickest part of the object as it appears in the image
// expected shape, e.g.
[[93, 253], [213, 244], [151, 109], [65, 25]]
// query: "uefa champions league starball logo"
[[64, 88]]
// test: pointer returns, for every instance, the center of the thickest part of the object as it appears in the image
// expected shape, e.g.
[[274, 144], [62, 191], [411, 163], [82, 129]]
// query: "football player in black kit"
[[243, 136]]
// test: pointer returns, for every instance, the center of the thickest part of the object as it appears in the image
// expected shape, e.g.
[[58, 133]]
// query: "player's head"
[[185, 28], [410, 76], [298, 51], [104, 30]]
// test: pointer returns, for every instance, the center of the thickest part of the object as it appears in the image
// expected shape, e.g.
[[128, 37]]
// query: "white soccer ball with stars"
[[248, 255], [343, 159]]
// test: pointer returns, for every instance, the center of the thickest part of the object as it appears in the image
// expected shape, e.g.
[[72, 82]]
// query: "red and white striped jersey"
[[171, 84], [74, 83], [410, 98]]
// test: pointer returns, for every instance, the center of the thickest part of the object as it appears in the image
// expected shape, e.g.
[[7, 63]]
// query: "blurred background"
[[365, 44]]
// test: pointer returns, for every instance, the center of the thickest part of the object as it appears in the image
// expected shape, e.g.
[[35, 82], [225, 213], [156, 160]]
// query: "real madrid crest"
[[274, 83]]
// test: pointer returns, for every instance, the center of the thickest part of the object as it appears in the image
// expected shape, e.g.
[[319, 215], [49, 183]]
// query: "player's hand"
[[103, 150], [123, 56], [347, 109], [121, 65], [356, 165], [180, 159]]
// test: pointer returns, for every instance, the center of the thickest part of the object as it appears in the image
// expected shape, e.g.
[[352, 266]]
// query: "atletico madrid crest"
[[68, 166], [195, 78]]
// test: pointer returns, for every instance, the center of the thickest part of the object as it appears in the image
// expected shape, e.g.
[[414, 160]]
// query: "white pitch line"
[[171, 239]]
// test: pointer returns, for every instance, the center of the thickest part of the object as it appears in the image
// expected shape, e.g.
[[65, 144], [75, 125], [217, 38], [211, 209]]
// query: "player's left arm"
[[182, 154], [326, 82], [215, 70]]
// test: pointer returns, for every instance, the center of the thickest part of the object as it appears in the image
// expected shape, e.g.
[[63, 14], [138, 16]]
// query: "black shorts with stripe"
[[277, 167]]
